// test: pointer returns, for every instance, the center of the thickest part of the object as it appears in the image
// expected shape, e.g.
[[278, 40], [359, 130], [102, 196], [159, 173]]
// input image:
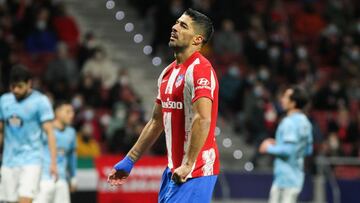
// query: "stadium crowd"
[[73, 66], [259, 48]]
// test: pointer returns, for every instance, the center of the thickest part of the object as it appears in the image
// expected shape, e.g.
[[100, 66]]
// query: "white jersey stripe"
[[171, 81], [213, 84], [168, 136], [189, 92]]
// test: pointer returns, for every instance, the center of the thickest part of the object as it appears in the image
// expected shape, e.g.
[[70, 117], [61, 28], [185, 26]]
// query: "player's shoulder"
[[39, 96], [288, 121], [166, 69], [71, 131], [6, 96]]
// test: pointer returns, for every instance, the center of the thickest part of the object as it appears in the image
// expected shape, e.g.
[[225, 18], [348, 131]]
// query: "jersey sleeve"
[[72, 155], [46, 112], [203, 82], [158, 98], [289, 132], [1, 112]]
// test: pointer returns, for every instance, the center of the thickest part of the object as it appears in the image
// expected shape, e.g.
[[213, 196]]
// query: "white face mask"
[[261, 44], [124, 80], [264, 74], [301, 52], [234, 71], [89, 114], [76, 103], [274, 52], [354, 54], [41, 25], [258, 91]]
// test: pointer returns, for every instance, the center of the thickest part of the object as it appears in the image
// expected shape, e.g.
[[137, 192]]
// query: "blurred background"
[[105, 56]]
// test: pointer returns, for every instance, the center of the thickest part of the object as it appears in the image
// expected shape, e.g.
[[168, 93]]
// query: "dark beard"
[[176, 48]]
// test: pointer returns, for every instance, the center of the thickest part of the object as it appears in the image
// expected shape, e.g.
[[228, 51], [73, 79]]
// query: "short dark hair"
[[299, 96], [202, 22], [20, 73], [61, 103]]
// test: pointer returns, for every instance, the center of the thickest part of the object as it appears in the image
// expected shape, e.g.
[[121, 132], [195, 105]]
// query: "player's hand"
[[120, 172], [73, 185], [53, 171], [181, 174], [265, 144]]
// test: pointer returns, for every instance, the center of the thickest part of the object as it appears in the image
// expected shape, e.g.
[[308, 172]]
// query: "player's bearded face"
[[182, 32], [20, 89]]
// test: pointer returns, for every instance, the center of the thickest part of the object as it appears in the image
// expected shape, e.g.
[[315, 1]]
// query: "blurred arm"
[[283, 150], [49, 131]]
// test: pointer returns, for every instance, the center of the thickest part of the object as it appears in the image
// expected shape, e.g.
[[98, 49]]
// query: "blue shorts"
[[193, 190]]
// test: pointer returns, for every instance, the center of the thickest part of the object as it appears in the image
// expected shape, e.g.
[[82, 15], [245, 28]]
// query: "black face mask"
[[86, 139]]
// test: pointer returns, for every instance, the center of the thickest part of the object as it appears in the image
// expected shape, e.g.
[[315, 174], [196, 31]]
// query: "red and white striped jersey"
[[179, 86]]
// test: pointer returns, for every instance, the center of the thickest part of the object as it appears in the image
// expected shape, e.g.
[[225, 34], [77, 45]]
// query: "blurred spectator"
[[87, 49], [231, 91], [227, 41], [86, 144], [116, 90], [254, 113], [101, 68], [330, 97], [42, 38], [309, 23], [62, 73], [90, 88], [330, 45], [66, 27]]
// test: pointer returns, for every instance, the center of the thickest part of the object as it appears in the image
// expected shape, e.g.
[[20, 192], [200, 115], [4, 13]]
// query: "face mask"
[[234, 71], [301, 52], [274, 52], [251, 78], [354, 54], [261, 44], [89, 114], [124, 80], [90, 44], [258, 91], [105, 120], [86, 139], [41, 25], [76, 103], [264, 74]]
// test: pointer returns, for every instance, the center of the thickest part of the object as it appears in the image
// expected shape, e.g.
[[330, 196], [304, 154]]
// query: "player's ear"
[[198, 40], [29, 83]]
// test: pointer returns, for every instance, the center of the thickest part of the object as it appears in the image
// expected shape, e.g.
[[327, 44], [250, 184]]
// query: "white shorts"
[[53, 192], [283, 195], [19, 182]]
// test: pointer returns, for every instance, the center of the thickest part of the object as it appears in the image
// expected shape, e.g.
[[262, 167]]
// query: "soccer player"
[[57, 191], [186, 109], [24, 114], [293, 142]]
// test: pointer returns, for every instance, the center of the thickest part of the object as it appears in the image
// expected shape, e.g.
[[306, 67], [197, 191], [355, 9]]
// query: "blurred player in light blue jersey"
[[24, 115], [57, 191], [293, 142]]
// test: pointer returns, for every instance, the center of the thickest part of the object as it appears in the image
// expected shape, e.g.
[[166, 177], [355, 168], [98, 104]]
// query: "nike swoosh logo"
[[164, 81]]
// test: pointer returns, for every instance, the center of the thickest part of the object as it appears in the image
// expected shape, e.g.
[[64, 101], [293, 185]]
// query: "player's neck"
[[292, 111], [183, 55], [58, 124]]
